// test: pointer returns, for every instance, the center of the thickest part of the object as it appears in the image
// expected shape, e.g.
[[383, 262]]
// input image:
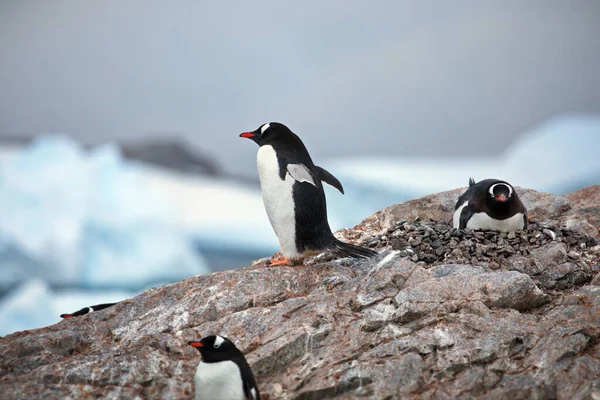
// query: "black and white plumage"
[[294, 198], [223, 373], [87, 310], [490, 204]]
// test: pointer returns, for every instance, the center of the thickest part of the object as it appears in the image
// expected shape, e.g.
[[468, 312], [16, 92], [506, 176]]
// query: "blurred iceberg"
[[74, 218], [34, 304], [560, 156]]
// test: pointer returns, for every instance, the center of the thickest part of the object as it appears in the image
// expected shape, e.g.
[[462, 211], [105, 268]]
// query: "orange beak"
[[502, 198], [196, 344], [247, 135]]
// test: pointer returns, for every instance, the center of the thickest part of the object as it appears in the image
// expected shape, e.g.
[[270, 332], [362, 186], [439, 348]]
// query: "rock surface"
[[440, 314]]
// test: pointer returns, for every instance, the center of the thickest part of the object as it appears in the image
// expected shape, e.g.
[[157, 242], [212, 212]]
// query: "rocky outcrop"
[[440, 314], [581, 214], [587, 203]]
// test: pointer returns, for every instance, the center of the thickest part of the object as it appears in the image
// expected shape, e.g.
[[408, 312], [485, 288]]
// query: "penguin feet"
[[281, 262]]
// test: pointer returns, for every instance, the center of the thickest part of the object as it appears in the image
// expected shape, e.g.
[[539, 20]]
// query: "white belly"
[[484, 221], [218, 381], [278, 200]]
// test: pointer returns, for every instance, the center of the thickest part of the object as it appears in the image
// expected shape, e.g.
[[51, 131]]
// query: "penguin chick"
[[294, 198], [490, 204], [223, 373]]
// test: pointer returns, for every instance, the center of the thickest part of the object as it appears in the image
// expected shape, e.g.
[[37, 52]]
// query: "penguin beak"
[[502, 198], [196, 344], [248, 135]]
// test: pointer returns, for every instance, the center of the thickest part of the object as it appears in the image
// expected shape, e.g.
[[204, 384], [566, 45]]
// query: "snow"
[[75, 218], [7, 151], [215, 212]]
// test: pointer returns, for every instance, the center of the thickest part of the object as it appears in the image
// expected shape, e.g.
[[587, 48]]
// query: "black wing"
[[465, 215], [251, 392], [250, 386], [328, 178]]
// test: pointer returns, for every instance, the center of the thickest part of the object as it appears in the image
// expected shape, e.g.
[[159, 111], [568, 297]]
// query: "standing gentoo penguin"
[[223, 372], [490, 204], [294, 197]]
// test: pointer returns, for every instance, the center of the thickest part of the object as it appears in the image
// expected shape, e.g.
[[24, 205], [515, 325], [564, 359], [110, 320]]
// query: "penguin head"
[[216, 348], [500, 193], [267, 133]]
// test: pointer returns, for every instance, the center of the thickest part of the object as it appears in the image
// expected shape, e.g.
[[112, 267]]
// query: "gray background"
[[449, 78]]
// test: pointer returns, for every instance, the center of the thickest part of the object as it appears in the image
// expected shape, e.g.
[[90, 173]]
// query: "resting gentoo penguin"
[[87, 310], [223, 372], [294, 197], [490, 204]]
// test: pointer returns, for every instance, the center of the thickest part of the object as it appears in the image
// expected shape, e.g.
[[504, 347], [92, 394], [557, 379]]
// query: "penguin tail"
[[471, 182], [343, 249]]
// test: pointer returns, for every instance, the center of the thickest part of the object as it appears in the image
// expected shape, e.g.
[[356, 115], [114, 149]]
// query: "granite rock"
[[440, 314]]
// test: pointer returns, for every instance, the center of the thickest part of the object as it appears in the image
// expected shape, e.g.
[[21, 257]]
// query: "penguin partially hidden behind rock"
[[223, 373], [490, 204], [87, 310], [294, 197]]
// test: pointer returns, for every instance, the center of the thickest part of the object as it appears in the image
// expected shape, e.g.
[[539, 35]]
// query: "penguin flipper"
[[250, 391], [471, 182], [328, 178], [301, 173], [87, 310], [465, 216], [249, 383]]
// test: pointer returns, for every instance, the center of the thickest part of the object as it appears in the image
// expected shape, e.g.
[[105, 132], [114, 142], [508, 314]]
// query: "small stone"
[[549, 233]]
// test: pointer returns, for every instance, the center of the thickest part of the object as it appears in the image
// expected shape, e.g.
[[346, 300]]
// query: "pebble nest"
[[430, 243]]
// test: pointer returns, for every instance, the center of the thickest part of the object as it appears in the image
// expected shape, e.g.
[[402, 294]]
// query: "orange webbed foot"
[[281, 262]]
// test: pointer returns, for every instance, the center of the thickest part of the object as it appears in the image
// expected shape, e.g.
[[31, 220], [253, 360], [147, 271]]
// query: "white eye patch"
[[218, 342], [264, 128], [510, 190]]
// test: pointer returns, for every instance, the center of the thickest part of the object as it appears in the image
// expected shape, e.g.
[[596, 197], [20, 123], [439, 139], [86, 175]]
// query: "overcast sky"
[[380, 77]]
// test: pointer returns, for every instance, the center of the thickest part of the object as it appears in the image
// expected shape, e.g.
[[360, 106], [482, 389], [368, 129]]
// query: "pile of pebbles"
[[434, 243]]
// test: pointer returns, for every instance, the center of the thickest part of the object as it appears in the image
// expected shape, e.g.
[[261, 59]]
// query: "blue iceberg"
[[75, 218]]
